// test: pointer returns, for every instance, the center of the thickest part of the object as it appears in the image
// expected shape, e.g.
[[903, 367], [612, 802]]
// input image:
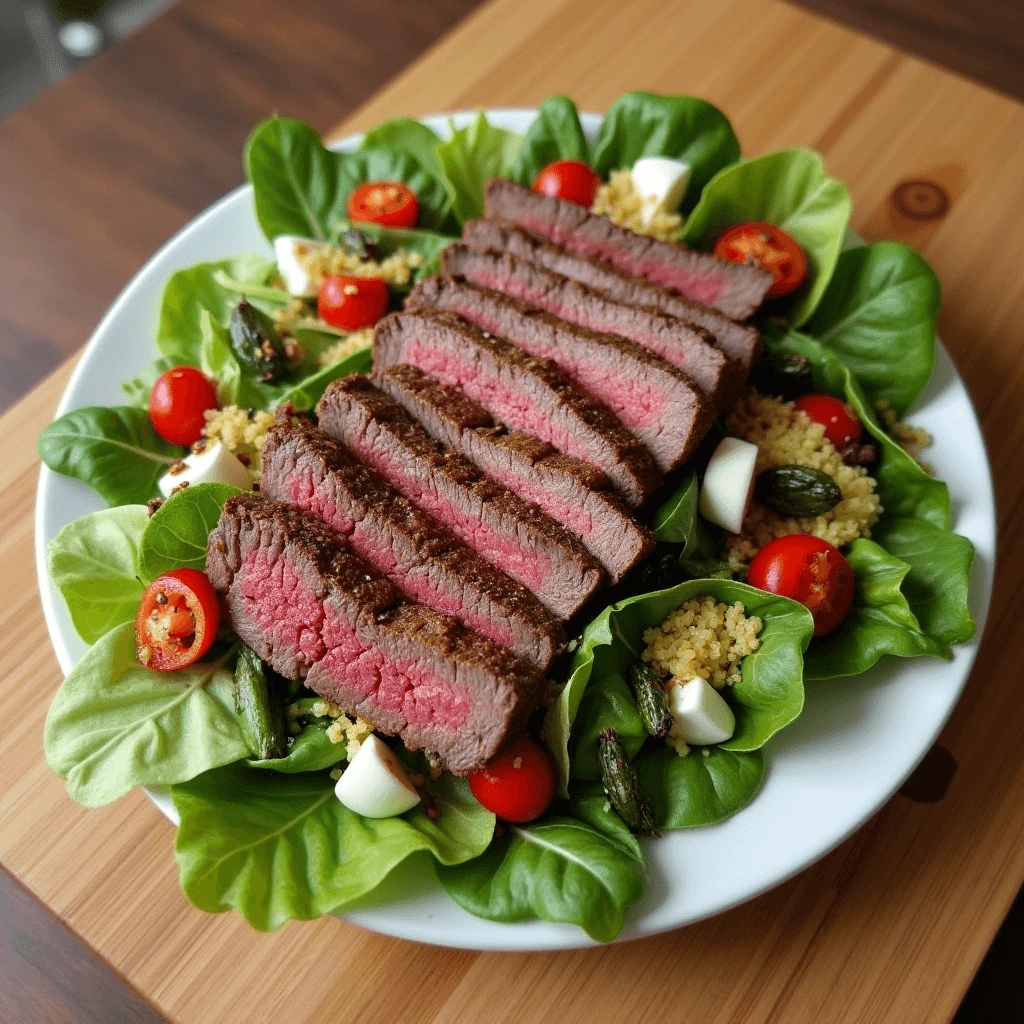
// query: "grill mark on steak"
[[687, 347], [574, 493], [740, 342], [656, 401], [428, 564], [525, 393], [736, 289], [314, 611], [512, 535]]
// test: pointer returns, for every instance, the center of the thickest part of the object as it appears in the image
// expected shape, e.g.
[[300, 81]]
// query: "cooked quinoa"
[[787, 436], [241, 431], [346, 346], [396, 269], [343, 728], [623, 204], [913, 440], [704, 638]]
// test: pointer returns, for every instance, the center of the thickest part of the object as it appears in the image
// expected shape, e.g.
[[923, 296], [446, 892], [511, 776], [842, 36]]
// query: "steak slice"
[[428, 564], [737, 289], [524, 393], [656, 401], [574, 493], [313, 610], [685, 346], [516, 537], [740, 342]]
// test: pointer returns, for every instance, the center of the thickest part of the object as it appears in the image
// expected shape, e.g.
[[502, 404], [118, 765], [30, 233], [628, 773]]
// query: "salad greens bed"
[[268, 838]]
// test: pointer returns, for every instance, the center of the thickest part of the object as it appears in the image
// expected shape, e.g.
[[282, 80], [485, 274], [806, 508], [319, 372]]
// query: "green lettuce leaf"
[[877, 317], [115, 725], [276, 846], [471, 156], [702, 788], [176, 534], [93, 564], [608, 703], [138, 388], [304, 394], [114, 450], [791, 189], [311, 750], [409, 135], [556, 869], [555, 134], [683, 127], [589, 803], [676, 522]]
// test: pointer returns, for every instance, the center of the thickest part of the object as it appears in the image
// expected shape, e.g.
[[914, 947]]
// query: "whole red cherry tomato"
[[351, 303], [769, 247], [177, 620], [389, 203], [839, 420], [808, 570], [177, 403], [568, 179], [517, 785]]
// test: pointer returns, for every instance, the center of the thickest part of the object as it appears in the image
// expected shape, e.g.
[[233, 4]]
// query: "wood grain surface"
[[892, 925]]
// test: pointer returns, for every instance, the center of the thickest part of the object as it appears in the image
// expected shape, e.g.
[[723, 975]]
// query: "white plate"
[[853, 747]]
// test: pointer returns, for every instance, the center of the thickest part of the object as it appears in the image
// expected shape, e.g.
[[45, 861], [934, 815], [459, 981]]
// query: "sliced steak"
[[524, 393], [428, 564], [574, 493], [655, 400], [685, 346], [515, 536], [734, 288], [740, 342], [314, 611]]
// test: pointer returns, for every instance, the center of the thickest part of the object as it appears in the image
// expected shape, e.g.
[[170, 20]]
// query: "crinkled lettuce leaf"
[[555, 134]]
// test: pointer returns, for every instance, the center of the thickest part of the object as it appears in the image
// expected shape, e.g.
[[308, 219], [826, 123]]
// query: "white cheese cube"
[[661, 181], [728, 484], [376, 784], [700, 716], [287, 249], [213, 465]]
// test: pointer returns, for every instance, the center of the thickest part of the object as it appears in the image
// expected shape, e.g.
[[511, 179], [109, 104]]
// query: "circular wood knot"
[[920, 199]]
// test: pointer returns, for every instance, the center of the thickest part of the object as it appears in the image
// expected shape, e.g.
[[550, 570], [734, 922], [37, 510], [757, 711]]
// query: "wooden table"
[[893, 924]]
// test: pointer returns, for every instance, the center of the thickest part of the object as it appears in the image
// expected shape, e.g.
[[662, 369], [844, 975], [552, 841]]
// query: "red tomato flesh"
[[389, 203], [809, 570], [351, 303], [568, 179], [769, 247], [837, 417], [177, 403], [177, 620], [517, 785]]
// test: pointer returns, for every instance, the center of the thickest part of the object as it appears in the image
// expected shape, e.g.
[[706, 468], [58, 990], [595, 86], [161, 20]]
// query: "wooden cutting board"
[[893, 924]]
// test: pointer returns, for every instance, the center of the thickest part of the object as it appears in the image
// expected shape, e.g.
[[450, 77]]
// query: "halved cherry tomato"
[[769, 247], [177, 403], [351, 303], [808, 570], [177, 620], [389, 203], [568, 179], [837, 417], [517, 785]]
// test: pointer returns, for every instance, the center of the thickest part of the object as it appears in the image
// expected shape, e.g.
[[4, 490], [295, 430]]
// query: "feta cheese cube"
[[728, 484], [213, 465], [700, 715], [661, 181], [287, 249], [376, 784]]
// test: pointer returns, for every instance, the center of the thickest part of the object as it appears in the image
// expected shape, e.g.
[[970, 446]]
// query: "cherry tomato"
[[177, 403], [839, 420], [517, 785], [568, 179], [389, 203], [808, 570], [769, 247], [177, 620], [351, 303]]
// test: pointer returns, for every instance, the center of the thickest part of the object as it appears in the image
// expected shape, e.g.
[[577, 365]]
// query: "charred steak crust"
[[740, 342], [734, 288], [655, 400], [575, 493], [314, 611], [303, 465], [691, 349], [524, 392], [516, 537]]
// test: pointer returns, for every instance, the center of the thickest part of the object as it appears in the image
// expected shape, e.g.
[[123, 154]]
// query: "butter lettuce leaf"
[[471, 156]]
